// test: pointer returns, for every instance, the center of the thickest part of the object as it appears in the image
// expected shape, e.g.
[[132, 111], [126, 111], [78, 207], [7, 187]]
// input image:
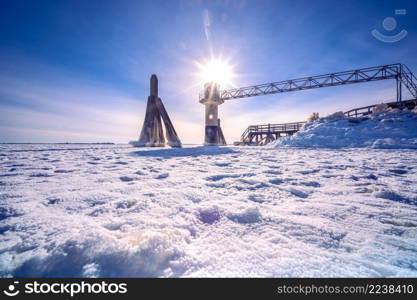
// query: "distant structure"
[[152, 134], [211, 99]]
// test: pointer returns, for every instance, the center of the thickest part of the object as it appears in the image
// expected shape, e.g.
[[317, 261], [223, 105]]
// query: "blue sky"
[[78, 71]]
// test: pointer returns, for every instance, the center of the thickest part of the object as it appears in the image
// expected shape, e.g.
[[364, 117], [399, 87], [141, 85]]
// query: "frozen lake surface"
[[114, 210]]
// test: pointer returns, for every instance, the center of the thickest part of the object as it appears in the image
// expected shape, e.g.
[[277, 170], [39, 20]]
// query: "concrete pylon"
[[152, 134], [213, 132]]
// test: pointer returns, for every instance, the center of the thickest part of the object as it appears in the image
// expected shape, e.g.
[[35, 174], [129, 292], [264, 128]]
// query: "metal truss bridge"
[[400, 72]]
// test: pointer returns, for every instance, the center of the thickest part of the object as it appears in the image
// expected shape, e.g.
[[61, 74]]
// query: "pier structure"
[[211, 97]]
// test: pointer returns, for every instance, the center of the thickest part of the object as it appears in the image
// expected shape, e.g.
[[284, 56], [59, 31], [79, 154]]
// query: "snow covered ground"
[[114, 210]]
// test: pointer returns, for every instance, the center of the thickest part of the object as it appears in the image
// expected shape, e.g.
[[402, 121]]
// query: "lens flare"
[[217, 70]]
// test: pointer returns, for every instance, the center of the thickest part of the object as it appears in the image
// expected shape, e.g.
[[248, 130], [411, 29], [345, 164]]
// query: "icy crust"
[[104, 211], [385, 129]]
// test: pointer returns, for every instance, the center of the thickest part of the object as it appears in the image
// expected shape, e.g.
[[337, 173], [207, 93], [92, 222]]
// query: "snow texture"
[[113, 210], [384, 129]]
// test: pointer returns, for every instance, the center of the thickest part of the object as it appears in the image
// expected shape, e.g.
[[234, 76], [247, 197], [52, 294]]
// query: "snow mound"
[[383, 129], [143, 253], [249, 215]]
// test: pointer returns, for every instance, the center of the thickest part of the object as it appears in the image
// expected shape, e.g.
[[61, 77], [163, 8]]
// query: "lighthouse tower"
[[211, 100]]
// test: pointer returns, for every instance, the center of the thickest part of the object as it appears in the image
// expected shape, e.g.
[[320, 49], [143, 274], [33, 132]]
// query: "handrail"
[[368, 108], [271, 128]]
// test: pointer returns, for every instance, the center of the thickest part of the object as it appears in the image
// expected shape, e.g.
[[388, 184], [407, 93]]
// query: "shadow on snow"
[[182, 152]]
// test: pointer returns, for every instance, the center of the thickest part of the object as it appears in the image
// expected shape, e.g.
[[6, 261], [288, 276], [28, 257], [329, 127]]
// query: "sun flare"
[[218, 71]]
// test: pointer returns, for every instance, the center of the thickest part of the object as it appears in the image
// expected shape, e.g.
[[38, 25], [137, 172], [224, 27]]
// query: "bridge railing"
[[366, 110], [271, 129]]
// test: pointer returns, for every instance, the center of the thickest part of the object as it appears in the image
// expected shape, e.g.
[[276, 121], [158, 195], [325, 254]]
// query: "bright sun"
[[218, 71]]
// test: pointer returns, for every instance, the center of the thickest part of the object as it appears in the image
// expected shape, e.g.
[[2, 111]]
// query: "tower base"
[[152, 134], [214, 136]]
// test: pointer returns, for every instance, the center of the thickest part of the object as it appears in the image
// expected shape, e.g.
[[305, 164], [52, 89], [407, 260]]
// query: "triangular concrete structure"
[[152, 134]]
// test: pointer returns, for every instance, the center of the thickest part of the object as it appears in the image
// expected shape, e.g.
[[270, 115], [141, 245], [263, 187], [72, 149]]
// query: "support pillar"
[[399, 89], [152, 134]]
